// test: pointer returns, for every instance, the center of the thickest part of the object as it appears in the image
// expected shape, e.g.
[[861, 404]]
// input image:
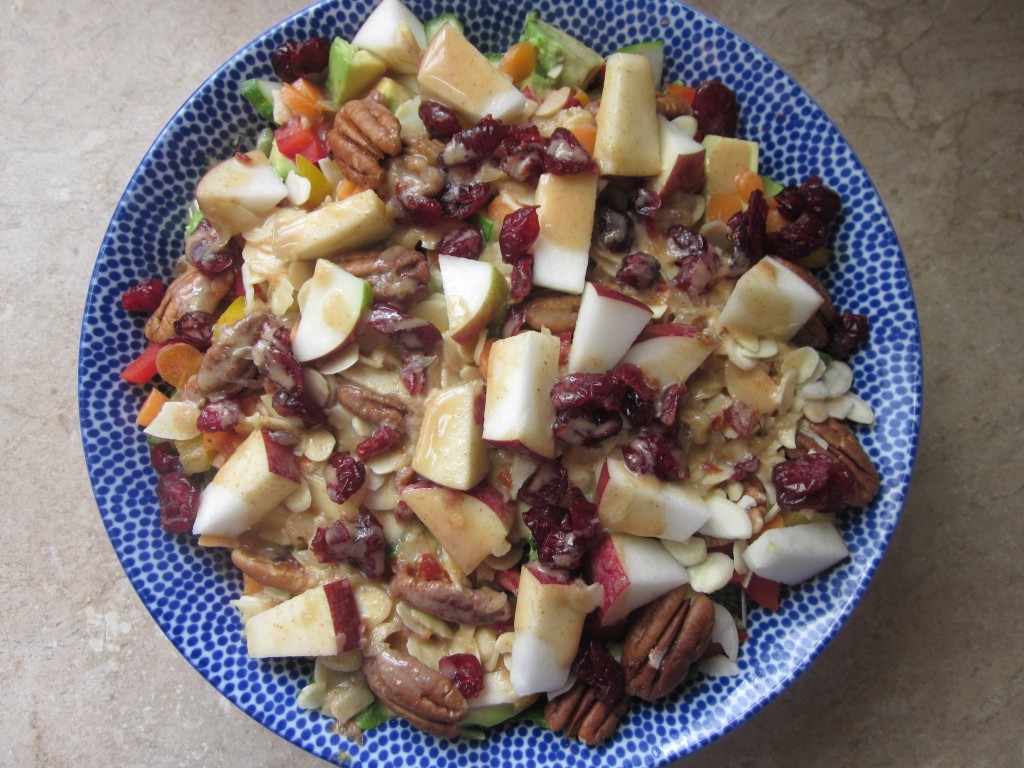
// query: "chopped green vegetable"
[[561, 58], [472, 733], [194, 217], [431, 27], [265, 141], [654, 50], [280, 163], [351, 71], [374, 715], [535, 714], [485, 225], [260, 93], [730, 597], [771, 186]]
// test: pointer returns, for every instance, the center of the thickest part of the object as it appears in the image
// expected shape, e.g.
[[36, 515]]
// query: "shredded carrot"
[[176, 363], [345, 189], [586, 134], [222, 443], [775, 220], [722, 206], [682, 92], [151, 407], [303, 98], [250, 586], [746, 183], [518, 62]]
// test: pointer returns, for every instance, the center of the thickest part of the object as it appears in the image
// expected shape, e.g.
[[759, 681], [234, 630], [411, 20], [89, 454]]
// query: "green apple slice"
[[238, 194], [340, 225], [473, 292], [331, 304]]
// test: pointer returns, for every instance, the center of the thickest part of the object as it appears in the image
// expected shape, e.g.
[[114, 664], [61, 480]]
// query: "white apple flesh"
[[238, 194], [331, 305], [336, 226], [257, 477], [450, 449], [627, 120], [455, 72], [394, 34], [670, 357], [323, 621], [796, 553], [470, 527], [549, 619], [473, 293], [518, 412], [561, 253], [682, 160], [770, 301], [608, 322], [645, 506], [633, 571]]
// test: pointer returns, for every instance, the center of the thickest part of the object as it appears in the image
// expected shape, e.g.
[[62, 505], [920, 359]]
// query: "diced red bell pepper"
[[681, 92], [142, 368], [295, 138], [763, 591]]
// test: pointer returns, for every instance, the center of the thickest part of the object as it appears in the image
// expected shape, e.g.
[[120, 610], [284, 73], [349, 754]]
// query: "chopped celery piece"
[[260, 93], [374, 715], [560, 56], [194, 217], [771, 186]]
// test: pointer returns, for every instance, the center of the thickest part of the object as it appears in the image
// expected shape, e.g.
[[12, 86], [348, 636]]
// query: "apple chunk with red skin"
[[323, 621], [518, 412], [470, 526], [608, 322], [633, 571], [550, 612], [645, 506], [769, 300], [669, 353], [450, 449], [682, 160], [257, 477]]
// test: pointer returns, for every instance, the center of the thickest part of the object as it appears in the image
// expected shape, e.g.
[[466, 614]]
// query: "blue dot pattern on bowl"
[[187, 589]]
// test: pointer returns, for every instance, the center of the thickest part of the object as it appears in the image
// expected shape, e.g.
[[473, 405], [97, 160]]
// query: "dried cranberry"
[[299, 406], [748, 235], [613, 230], [465, 242], [586, 426], [801, 238], [420, 211], [650, 452], [206, 251], [638, 270], [414, 372], [343, 476], [645, 202], [219, 416], [583, 515], [412, 334], [548, 483], [360, 543], [815, 481], [439, 119], [300, 58], [465, 672], [460, 201], [195, 328], [565, 155], [178, 495], [595, 666], [514, 322], [698, 274], [163, 458], [382, 440], [745, 468], [474, 144], [519, 231], [716, 109], [684, 243], [811, 197], [521, 153], [638, 401], [668, 408], [563, 536], [429, 568], [272, 354], [143, 297], [739, 417], [588, 390], [521, 279], [848, 334]]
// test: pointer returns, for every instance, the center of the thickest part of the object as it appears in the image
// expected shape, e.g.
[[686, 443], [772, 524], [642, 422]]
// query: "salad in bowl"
[[506, 380]]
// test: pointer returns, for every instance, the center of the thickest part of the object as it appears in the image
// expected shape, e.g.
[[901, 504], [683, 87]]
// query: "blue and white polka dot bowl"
[[187, 589]]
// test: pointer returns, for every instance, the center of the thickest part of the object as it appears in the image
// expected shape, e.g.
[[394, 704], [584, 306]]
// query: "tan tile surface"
[[928, 671]]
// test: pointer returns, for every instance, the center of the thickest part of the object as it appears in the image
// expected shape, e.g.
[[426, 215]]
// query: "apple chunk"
[[645, 506], [450, 449], [237, 194], [671, 354], [336, 226], [561, 252], [550, 613], [473, 292], [518, 412], [608, 322], [260, 474], [794, 554], [627, 121], [394, 34], [331, 304], [323, 621], [682, 160], [470, 527], [769, 300], [633, 571]]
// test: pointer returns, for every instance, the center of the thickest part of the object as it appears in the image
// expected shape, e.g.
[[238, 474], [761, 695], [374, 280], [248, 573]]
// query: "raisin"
[[848, 334]]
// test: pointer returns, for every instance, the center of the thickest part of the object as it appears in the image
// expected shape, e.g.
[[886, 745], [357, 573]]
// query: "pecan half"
[[581, 713], [373, 407], [664, 639], [451, 602], [227, 366], [844, 446], [191, 291], [270, 566], [364, 133], [671, 106], [397, 274], [414, 691], [556, 311]]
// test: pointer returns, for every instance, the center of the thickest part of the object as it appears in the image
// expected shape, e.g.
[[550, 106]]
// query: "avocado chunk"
[[395, 94], [560, 56], [260, 93], [653, 50], [350, 71]]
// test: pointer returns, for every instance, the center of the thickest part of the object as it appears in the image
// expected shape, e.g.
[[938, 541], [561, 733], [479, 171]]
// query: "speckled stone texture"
[[928, 670]]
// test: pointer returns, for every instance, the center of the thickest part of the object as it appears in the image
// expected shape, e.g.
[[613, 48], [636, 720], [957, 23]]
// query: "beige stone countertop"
[[927, 672]]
